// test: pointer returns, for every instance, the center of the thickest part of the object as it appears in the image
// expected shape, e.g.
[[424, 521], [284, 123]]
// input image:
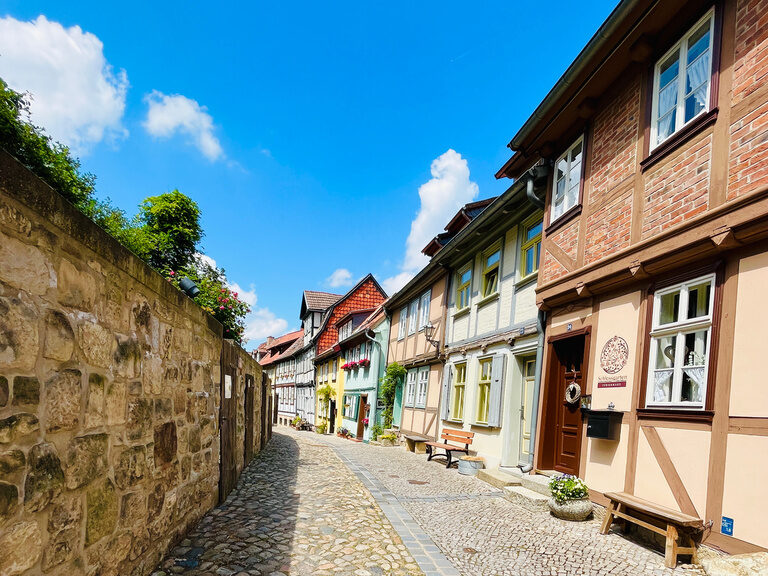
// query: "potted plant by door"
[[570, 498]]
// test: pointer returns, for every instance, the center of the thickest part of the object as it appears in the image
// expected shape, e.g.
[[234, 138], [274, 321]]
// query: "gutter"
[[606, 30]]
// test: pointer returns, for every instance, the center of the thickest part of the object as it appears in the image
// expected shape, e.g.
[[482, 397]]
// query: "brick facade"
[[364, 297]]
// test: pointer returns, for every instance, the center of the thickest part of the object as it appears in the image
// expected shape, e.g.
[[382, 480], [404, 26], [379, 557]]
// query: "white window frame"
[[679, 328], [422, 385], [413, 313], [403, 323], [345, 331], [424, 308], [681, 47], [410, 388], [554, 213]]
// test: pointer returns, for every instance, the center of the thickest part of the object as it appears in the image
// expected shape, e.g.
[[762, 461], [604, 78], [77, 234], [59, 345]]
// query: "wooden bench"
[[412, 442], [458, 436], [622, 505]]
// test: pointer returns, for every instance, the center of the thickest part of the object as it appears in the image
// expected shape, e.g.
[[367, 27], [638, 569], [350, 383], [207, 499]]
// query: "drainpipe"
[[537, 173]]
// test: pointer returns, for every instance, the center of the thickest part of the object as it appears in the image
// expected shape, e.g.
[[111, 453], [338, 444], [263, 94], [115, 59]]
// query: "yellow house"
[[328, 372]]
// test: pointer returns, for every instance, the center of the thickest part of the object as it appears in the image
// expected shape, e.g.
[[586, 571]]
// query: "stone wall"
[[109, 388]]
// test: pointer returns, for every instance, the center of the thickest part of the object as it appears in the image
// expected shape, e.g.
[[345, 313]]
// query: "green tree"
[[46, 158], [172, 228], [393, 376]]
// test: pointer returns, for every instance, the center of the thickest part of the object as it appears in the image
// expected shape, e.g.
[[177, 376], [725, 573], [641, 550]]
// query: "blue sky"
[[317, 138]]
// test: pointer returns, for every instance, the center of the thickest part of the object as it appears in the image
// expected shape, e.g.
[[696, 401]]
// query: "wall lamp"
[[429, 331], [188, 287]]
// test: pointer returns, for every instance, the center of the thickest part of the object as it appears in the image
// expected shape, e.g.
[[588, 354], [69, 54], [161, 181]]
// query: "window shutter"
[[496, 393], [445, 409]]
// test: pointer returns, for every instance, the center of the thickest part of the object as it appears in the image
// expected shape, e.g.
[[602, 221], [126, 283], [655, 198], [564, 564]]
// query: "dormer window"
[[567, 180], [345, 330], [682, 80]]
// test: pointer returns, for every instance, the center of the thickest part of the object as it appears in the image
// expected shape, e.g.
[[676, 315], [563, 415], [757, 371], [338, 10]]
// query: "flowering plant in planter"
[[365, 421], [364, 363], [351, 365], [570, 498], [567, 487]]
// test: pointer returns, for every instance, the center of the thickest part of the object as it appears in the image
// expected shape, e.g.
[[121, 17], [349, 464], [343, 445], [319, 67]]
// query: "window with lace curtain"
[[680, 344], [682, 80]]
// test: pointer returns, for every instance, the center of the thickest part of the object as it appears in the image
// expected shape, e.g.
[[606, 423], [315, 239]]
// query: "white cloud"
[[394, 283], [262, 322], [247, 296], [168, 115], [76, 95], [441, 197], [340, 277]]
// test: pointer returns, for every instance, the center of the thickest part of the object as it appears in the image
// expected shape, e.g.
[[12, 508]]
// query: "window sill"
[[525, 280], [678, 414], [681, 136], [482, 425], [463, 312], [488, 299], [563, 219], [453, 421]]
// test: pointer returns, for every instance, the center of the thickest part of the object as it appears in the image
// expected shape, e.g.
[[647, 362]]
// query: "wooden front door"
[[562, 425], [332, 416], [361, 415], [526, 403], [228, 420]]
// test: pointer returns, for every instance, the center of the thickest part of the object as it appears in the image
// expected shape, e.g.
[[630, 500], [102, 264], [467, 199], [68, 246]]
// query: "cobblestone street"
[[324, 505]]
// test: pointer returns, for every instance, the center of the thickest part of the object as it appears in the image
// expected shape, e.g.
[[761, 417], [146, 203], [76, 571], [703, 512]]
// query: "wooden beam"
[[681, 495]]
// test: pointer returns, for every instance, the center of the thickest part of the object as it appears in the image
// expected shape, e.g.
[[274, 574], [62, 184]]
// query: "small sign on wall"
[[726, 526], [227, 386], [612, 382]]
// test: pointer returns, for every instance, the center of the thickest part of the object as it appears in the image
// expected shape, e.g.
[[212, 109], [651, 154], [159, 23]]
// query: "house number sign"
[[227, 386], [614, 356]]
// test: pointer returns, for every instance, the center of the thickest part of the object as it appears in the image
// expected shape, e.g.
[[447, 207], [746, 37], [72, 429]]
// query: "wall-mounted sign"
[[726, 526], [614, 356], [227, 386], [612, 382]]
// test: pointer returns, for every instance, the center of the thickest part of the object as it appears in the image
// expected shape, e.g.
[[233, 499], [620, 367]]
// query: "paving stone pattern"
[[313, 504], [296, 510]]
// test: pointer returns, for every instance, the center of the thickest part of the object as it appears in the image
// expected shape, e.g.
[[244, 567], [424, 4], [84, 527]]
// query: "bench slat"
[[445, 446], [656, 510], [458, 432]]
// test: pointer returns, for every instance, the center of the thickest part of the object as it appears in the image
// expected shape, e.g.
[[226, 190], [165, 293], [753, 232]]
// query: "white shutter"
[[445, 398], [496, 394]]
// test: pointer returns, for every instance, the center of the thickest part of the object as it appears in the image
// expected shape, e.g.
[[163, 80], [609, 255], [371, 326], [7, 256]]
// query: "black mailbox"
[[603, 424]]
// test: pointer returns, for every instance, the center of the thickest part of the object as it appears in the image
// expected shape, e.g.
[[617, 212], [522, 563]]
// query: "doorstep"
[[536, 482], [526, 497], [498, 478]]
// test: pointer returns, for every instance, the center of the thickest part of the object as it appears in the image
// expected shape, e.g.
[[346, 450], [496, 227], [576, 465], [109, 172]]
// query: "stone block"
[[115, 403], [19, 335], [94, 410], [59, 337], [163, 409], [133, 509], [4, 391], [22, 545], [63, 400], [127, 357], [152, 374], [139, 418], [64, 531], [11, 461], [26, 391], [186, 466], [195, 444], [98, 344], [15, 427], [101, 511], [24, 266], [75, 288], [165, 443], [45, 478], [9, 500], [86, 460], [155, 502], [12, 219], [108, 556], [179, 401], [131, 467]]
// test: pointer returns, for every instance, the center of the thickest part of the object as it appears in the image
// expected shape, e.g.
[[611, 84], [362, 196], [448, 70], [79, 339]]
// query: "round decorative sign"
[[614, 355]]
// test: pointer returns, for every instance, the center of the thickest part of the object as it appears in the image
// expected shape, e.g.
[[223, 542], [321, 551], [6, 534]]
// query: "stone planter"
[[469, 465], [577, 510], [386, 442]]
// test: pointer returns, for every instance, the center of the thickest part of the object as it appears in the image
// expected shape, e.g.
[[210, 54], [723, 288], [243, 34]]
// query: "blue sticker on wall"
[[726, 526]]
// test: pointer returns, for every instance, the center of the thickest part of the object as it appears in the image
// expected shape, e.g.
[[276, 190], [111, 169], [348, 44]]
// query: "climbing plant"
[[325, 393], [393, 376]]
